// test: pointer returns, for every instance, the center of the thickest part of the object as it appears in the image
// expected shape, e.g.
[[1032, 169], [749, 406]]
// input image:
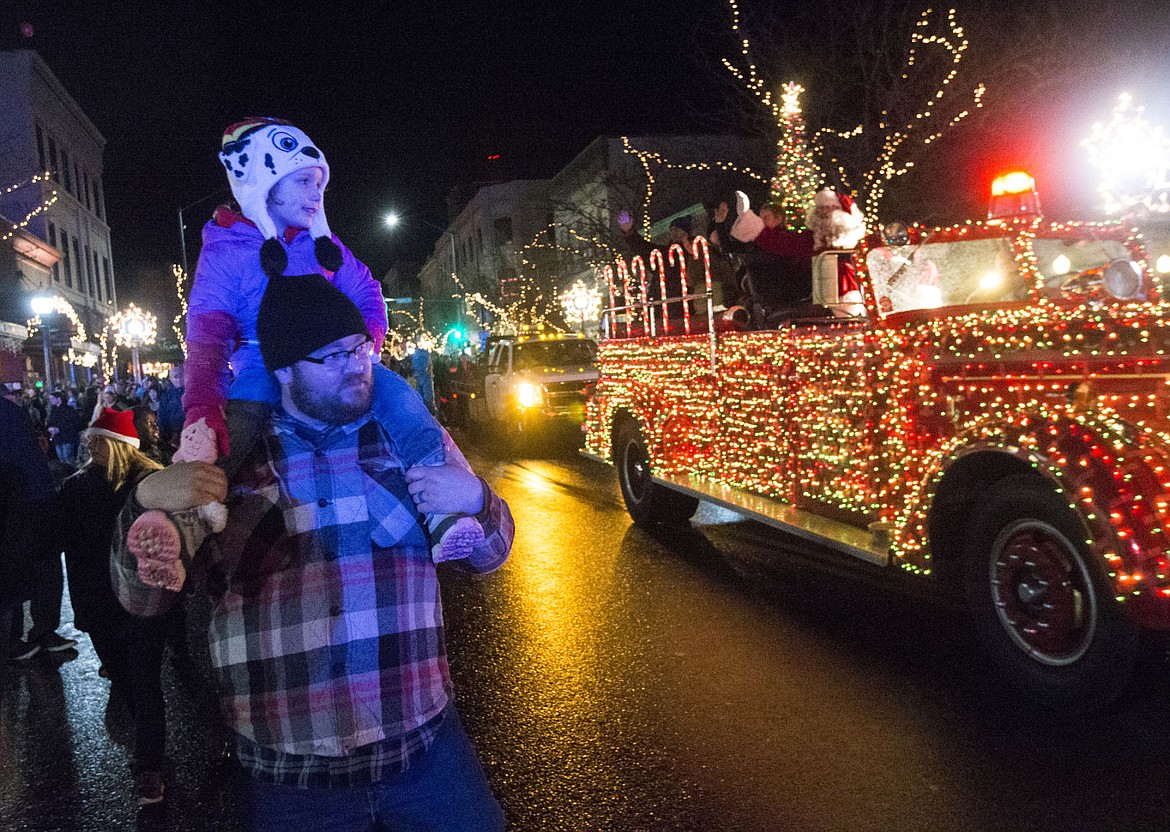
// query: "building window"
[[503, 226], [98, 274], [85, 188], [109, 282], [41, 149], [66, 170], [53, 243], [66, 266], [53, 166], [89, 273], [99, 205], [80, 265]]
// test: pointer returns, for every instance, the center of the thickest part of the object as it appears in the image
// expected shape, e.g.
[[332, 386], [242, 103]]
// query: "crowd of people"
[[62, 415]]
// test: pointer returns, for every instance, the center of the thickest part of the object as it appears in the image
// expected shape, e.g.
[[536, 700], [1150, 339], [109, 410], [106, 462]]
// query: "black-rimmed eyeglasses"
[[337, 360]]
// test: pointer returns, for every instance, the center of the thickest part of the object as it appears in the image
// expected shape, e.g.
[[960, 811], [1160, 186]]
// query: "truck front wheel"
[[649, 503], [1040, 605]]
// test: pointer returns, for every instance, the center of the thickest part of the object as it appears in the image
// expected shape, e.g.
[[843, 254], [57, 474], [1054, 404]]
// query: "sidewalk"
[[64, 762]]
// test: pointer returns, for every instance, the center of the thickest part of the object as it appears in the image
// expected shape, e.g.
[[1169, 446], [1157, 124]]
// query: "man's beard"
[[339, 406]]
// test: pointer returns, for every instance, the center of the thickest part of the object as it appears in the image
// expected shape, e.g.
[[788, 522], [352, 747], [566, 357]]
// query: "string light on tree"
[[797, 173], [182, 292], [919, 129], [1133, 157]]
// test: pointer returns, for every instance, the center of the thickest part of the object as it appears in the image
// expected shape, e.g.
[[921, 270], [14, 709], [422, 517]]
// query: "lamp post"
[[133, 328], [393, 220], [183, 228], [42, 307]]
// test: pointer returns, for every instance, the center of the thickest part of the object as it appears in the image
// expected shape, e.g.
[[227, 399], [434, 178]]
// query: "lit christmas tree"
[[797, 174]]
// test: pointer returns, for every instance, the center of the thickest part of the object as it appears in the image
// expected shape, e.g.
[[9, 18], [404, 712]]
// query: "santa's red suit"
[[837, 223]]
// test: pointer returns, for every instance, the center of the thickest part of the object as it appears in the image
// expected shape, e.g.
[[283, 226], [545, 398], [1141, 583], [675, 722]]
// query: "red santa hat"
[[117, 425]]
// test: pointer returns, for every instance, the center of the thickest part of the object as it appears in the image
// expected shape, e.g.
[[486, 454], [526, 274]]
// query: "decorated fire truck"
[[993, 416]]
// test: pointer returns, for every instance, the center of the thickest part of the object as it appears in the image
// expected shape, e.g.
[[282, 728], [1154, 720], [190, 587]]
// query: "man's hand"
[[183, 485], [445, 489]]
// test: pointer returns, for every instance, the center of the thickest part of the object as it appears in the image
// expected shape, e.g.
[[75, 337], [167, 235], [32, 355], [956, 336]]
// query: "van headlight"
[[528, 394]]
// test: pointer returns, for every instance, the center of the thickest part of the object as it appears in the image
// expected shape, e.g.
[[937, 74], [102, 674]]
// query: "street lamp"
[[393, 219], [42, 307], [183, 228], [134, 327]]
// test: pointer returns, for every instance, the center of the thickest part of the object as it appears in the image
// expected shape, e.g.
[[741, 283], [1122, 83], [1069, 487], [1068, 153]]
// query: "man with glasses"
[[327, 630]]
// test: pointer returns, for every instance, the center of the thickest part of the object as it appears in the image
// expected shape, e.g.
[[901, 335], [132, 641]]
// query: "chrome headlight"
[[528, 394]]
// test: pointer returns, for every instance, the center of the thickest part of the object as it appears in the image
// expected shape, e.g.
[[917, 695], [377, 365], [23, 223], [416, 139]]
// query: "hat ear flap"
[[328, 254], [273, 258]]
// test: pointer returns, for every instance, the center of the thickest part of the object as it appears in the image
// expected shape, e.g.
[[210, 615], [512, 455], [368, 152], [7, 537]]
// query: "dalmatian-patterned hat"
[[259, 152]]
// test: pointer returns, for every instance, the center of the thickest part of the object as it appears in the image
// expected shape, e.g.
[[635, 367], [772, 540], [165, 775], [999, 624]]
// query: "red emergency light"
[[1013, 195]]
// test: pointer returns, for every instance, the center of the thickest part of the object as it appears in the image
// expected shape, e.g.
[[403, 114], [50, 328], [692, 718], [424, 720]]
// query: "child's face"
[[296, 199]]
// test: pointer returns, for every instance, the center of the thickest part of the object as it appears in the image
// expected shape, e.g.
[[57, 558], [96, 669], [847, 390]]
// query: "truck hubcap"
[[1042, 592], [636, 471]]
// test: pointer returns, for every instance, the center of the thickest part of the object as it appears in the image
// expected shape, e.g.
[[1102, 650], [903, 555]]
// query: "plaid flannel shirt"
[[327, 629]]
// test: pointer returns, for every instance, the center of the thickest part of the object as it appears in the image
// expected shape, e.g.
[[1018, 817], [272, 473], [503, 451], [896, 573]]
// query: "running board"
[[872, 546]]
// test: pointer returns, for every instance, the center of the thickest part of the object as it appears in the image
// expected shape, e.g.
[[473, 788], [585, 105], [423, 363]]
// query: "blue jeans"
[[67, 452], [444, 790], [416, 435]]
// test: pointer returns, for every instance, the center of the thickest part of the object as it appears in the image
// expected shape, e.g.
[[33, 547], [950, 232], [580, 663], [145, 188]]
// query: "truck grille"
[[565, 396]]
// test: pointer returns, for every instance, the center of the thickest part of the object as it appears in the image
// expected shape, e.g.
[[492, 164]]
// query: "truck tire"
[[648, 503], [1040, 604]]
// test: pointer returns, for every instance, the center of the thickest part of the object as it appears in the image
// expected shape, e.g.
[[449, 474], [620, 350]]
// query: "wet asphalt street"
[[719, 679]]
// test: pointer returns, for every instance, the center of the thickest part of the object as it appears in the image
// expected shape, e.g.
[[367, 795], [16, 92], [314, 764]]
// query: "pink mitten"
[[213, 421], [197, 443]]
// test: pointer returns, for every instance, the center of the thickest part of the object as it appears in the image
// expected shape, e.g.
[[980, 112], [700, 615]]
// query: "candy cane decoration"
[[624, 274], [607, 273], [678, 253], [699, 244], [656, 260], [638, 267]]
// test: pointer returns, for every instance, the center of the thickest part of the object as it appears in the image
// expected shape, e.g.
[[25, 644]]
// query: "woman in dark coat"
[[130, 649]]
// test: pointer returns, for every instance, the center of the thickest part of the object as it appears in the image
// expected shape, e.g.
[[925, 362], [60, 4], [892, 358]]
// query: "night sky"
[[409, 100]]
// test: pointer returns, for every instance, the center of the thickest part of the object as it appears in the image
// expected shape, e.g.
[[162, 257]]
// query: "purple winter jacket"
[[230, 281]]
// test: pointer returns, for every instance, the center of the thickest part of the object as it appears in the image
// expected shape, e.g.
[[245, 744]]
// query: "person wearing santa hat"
[[837, 223], [130, 649]]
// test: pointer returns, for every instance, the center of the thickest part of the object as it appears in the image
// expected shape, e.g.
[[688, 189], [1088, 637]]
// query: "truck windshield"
[[933, 275], [553, 354], [1075, 266]]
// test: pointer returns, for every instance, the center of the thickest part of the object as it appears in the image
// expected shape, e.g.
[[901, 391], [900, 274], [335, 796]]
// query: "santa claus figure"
[[837, 223]]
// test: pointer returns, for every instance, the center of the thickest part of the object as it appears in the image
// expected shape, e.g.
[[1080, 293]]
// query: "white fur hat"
[[259, 152]]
